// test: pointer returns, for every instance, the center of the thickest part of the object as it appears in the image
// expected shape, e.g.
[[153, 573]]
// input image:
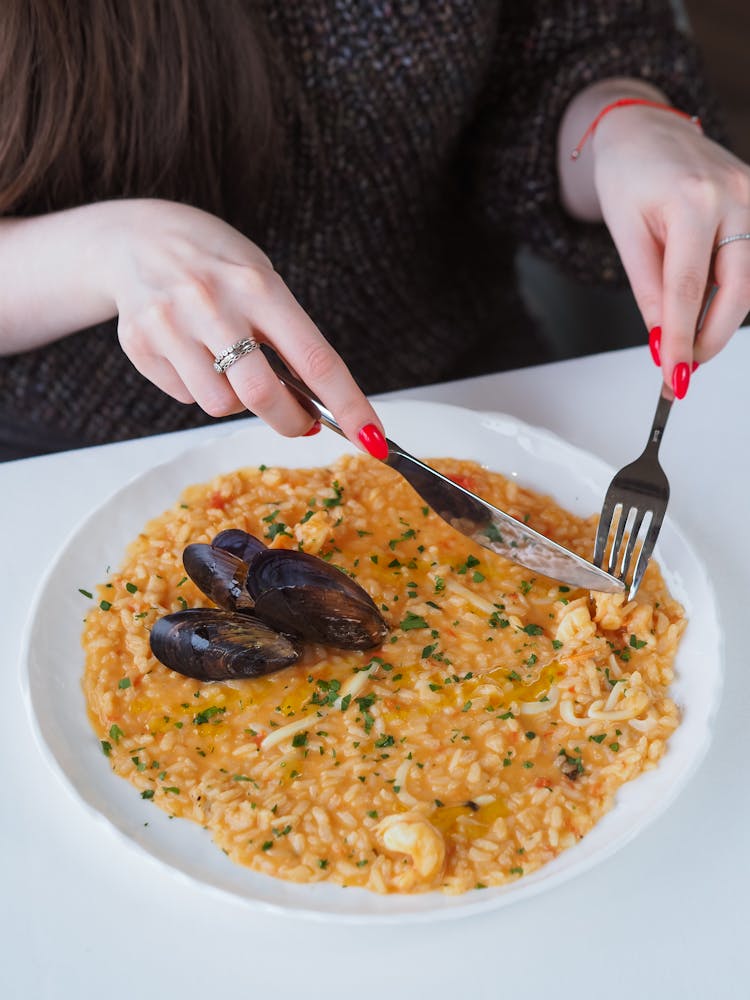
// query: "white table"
[[666, 917]]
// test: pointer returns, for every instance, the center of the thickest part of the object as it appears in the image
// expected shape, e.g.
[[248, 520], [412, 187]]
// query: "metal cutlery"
[[466, 512], [634, 507]]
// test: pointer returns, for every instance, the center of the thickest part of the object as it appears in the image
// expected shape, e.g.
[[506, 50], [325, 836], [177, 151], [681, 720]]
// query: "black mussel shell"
[[213, 645], [219, 574], [239, 543], [326, 616], [299, 593]]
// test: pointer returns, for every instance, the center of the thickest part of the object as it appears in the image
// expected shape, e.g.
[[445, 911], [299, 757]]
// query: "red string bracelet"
[[626, 102]]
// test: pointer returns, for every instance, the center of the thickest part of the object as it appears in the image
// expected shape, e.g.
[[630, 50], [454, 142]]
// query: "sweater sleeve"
[[547, 52]]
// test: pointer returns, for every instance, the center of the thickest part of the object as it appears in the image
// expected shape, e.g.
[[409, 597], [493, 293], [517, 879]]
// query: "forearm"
[[53, 274], [576, 177]]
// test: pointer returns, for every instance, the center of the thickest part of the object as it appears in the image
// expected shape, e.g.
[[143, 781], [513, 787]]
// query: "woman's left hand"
[[668, 195]]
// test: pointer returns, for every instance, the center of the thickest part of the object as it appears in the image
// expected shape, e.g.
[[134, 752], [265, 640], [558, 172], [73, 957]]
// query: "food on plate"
[[285, 589], [486, 729], [212, 645]]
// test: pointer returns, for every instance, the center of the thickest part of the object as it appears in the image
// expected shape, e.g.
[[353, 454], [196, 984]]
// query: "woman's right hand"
[[186, 286]]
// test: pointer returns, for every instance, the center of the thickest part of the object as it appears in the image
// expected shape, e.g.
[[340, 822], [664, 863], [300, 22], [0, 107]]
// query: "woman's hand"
[[186, 286], [668, 195]]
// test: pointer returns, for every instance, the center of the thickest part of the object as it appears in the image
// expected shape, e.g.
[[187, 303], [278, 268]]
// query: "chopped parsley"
[[365, 703], [338, 492], [572, 765], [497, 621], [412, 621], [207, 714], [471, 562], [275, 527], [327, 692], [532, 629], [409, 533]]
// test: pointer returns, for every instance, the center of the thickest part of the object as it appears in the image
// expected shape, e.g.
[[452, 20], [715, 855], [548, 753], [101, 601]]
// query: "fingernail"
[[654, 345], [315, 429], [696, 366], [373, 442], [681, 379]]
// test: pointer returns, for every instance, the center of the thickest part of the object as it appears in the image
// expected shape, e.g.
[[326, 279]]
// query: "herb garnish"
[[208, 713]]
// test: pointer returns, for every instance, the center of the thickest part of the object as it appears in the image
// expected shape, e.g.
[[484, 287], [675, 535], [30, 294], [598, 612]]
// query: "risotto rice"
[[490, 731]]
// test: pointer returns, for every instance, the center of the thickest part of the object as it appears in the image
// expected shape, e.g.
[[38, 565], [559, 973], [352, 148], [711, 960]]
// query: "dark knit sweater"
[[425, 157]]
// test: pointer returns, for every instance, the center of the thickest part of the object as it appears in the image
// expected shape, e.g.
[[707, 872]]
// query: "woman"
[[347, 183]]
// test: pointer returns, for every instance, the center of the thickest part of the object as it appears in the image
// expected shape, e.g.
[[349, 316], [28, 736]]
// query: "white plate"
[[538, 459]]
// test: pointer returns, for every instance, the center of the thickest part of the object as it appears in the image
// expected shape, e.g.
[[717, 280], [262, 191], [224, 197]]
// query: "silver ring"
[[231, 354], [732, 239]]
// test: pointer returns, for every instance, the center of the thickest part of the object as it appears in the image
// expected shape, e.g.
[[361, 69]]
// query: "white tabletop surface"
[[667, 916]]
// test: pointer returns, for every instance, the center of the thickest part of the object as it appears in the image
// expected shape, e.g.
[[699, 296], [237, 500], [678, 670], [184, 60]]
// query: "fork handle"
[[663, 409]]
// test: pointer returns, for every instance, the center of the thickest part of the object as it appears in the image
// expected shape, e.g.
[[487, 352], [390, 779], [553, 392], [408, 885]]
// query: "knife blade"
[[474, 517]]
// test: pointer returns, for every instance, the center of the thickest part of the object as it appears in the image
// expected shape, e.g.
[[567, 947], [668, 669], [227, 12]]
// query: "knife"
[[478, 520]]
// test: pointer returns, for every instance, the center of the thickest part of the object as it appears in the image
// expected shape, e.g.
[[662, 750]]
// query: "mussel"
[[299, 593], [265, 603], [219, 574], [239, 543], [210, 645]]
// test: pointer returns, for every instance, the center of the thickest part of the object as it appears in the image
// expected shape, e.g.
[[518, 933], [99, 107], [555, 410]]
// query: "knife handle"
[[310, 402], [306, 398]]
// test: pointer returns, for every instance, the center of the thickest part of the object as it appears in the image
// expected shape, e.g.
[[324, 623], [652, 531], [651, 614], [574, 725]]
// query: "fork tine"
[[632, 542], [615, 550], [604, 528], [646, 551], [640, 490]]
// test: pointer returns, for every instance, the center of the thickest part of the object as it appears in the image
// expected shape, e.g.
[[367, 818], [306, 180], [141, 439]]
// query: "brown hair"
[[130, 98]]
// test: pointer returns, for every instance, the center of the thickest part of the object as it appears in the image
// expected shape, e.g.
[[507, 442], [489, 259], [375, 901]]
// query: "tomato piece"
[[464, 481]]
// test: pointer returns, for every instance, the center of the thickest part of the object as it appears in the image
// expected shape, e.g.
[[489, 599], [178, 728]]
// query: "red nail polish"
[[373, 442], [654, 345], [315, 429], [681, 379], [696, 366]]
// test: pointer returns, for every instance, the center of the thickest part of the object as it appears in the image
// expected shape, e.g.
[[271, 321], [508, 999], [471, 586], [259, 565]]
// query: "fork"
[[640, 492]]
